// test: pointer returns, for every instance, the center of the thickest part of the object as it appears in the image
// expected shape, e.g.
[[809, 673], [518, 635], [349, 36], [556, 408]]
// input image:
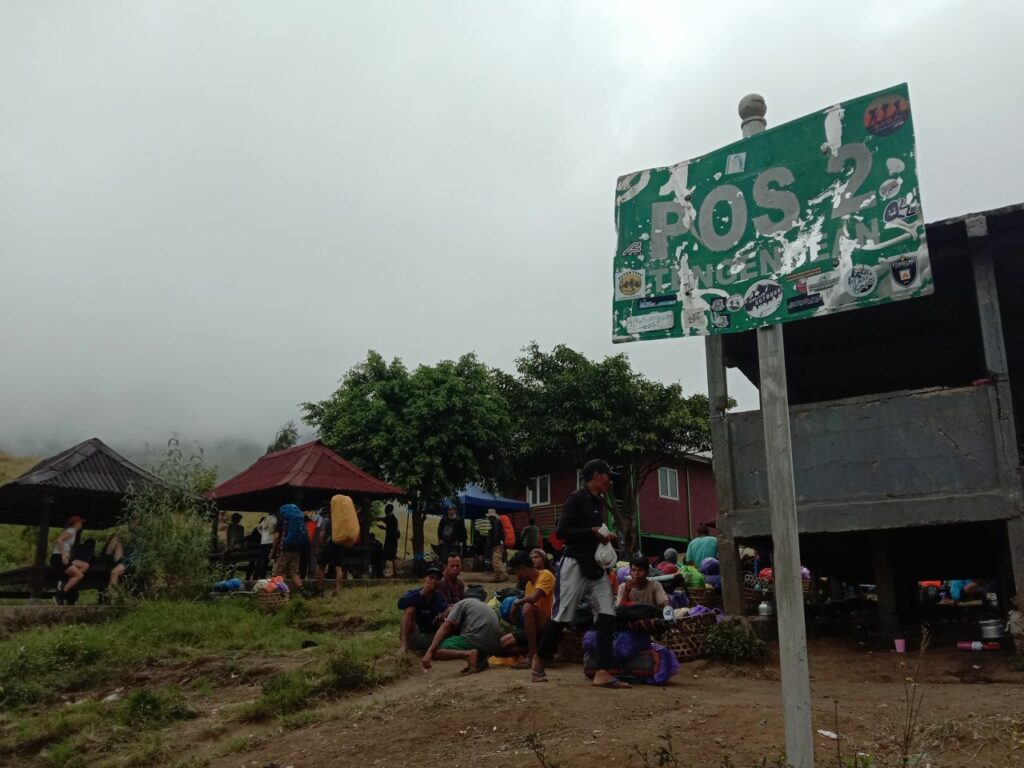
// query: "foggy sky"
[[210, 211]]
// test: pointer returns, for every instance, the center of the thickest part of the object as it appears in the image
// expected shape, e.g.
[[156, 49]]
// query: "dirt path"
[[971, 716]]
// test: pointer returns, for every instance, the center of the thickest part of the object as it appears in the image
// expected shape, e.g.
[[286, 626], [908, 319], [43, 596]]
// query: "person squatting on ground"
[[532, 612], [423, 611], [580, 576], [61, 560], [452, 588], [470, 632]]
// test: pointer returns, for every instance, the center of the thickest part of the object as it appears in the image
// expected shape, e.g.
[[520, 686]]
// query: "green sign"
[[816, 216]]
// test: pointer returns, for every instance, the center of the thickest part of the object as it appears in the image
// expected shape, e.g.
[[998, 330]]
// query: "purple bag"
[[668, 666], [679, 600], [626, 646], [709, 566]]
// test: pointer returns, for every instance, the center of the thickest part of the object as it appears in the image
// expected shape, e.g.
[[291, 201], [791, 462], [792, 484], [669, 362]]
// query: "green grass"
[[208, 646]]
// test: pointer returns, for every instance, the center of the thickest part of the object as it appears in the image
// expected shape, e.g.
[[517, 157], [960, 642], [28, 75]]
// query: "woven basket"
[[571, 647], [751, 599], [272, 601], [686, 637], [705, 596]]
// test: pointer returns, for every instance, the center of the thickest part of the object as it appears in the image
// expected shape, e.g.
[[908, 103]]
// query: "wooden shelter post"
[[38, 577]]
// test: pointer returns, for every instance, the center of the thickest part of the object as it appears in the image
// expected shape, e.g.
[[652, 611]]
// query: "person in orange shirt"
[[533, 611]]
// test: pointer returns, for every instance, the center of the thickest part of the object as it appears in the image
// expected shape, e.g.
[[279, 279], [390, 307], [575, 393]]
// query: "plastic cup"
[[901, 645]]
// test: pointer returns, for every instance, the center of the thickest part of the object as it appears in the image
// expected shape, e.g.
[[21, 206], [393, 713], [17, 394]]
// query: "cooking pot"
[[992, 629]]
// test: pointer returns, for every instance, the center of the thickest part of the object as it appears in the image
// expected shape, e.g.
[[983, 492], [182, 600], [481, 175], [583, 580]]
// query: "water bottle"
[[977, 645], [668, 614]]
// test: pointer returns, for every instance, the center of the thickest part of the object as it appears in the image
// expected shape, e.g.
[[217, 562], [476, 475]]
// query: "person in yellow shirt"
[[533, 611]]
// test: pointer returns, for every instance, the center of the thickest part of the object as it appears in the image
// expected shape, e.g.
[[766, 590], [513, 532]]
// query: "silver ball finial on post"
[[752, 110]]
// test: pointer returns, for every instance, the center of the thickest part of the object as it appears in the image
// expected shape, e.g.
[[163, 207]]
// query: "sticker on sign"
[[826, 206]]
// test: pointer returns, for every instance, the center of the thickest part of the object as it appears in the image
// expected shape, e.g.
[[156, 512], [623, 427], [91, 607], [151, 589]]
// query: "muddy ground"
[[972, 715]]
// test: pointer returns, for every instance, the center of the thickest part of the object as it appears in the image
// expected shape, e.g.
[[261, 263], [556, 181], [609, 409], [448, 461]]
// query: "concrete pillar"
[[1015, 538], [836, 588], [718, 397], [885, 585], [1000, 400]]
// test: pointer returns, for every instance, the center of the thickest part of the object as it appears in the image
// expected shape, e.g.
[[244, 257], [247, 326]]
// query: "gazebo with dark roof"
[[89, 479], [307, 475]]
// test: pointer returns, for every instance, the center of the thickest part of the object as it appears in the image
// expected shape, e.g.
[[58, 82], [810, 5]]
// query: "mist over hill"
[[229, 455]]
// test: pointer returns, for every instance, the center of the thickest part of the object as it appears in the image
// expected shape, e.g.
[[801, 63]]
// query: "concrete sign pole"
[[789, 598]]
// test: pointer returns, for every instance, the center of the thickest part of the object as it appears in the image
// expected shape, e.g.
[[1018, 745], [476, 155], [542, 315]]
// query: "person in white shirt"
[[261, 563]]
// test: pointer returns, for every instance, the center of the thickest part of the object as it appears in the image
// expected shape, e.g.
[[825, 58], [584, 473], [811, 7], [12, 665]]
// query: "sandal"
[[538, 677]]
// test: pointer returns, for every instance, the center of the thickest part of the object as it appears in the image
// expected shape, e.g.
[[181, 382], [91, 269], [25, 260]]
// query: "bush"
[[344, 673], [146, 706], [166, 529], [734, 641], [283, 693]]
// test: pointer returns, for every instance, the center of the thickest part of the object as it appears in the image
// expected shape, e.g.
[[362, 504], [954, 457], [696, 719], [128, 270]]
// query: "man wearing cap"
[[581, 576], [422, 612]]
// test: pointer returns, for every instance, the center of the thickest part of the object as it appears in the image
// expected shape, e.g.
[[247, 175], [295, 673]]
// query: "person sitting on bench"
[[61, 560]]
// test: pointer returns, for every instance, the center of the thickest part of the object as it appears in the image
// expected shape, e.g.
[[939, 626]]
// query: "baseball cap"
[[597, 465], [433, 571]]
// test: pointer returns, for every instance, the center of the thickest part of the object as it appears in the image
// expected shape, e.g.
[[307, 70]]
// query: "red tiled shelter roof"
[[308, 475]]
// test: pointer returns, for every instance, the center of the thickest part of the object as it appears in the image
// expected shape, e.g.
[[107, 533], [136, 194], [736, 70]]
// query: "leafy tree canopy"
[[431, 431], [287, 436], [569, 409]]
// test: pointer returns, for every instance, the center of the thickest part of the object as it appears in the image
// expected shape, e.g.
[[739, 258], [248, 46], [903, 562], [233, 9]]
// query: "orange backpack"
[[510, 532]]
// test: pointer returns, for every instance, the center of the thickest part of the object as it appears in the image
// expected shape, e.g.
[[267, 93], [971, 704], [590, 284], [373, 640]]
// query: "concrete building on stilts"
[[906, 447]]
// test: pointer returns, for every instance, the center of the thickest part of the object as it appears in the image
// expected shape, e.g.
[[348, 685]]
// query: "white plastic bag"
[[605, 554]]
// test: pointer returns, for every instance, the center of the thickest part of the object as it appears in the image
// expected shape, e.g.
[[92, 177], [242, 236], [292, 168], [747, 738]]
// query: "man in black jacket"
[[581, 576], [451, 535]]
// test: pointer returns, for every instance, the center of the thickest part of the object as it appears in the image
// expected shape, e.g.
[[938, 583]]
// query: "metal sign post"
[[816, 216], [778, 448]]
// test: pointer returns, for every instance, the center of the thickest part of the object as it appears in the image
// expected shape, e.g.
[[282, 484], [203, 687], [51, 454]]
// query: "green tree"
[[165, 527], [568, 409], [430, 431], [287, 436]]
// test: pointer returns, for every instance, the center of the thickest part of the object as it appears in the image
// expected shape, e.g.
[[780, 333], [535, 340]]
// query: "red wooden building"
[[672, 502]]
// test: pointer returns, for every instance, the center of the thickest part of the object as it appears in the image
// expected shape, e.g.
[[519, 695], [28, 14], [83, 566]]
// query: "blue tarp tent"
[[474, 502]]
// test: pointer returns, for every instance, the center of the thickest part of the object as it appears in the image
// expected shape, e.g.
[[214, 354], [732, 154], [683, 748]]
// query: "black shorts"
[[330, 556], [57, 563], [110, 562]]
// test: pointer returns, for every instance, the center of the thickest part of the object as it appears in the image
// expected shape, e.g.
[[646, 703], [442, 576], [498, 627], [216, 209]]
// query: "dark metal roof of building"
[[307, 474], [89, 479], [926, 342]]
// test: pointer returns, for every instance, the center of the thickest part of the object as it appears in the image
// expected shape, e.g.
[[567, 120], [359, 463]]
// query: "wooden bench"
[[97, 577]]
